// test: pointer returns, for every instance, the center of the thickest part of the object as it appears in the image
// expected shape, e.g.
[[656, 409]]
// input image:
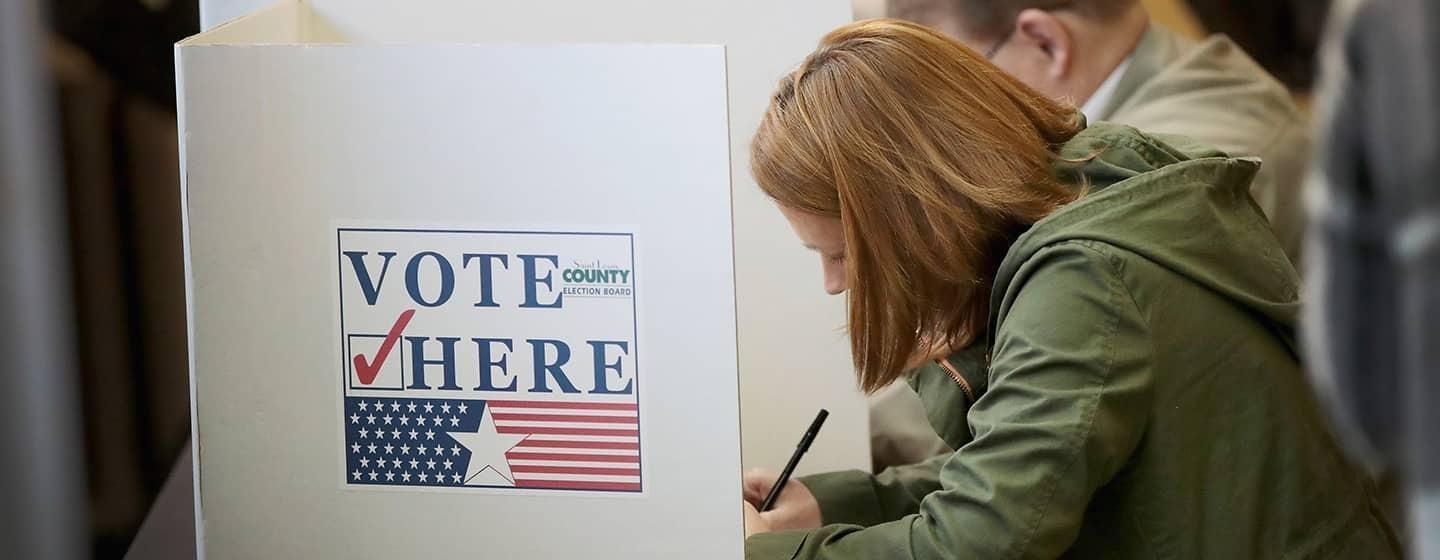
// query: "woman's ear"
[[1046, 35]]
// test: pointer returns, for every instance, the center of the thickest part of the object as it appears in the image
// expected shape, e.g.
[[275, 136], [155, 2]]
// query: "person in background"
[[1127, 384], [1106, 57], [1372, 317]]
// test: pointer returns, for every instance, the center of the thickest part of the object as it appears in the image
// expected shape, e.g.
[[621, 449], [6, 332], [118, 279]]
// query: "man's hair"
[[992, 19]]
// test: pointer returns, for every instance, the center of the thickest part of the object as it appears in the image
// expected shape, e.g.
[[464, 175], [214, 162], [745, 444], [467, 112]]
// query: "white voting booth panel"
[[793, 354], [455, 298]]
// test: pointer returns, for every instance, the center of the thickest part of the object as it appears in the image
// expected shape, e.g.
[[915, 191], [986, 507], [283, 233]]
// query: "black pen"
[[800, 450]]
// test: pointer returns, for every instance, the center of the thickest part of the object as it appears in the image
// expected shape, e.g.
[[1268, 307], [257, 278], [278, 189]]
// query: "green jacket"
[[1142, 398], [1213, 92], [1210, 91]]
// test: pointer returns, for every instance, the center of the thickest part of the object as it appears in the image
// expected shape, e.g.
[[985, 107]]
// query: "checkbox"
[[392, 373]]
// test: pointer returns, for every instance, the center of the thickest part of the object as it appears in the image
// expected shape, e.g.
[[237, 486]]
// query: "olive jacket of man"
[[1138, 393], [1210, 91]]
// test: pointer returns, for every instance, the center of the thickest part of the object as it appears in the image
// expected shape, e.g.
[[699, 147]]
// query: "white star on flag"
[[488, 465]]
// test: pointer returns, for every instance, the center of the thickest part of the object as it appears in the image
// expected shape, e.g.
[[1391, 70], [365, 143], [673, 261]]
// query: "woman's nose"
[[834, 280]]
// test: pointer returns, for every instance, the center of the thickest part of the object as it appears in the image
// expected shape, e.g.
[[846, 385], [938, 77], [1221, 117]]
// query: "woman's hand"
[[754, 523], [795, 508]]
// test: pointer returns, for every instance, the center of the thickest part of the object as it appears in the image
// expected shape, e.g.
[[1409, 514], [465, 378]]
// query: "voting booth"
[[459, 288]]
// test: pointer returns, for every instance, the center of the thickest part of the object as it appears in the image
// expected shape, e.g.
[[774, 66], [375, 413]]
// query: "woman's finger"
[[756, 484]]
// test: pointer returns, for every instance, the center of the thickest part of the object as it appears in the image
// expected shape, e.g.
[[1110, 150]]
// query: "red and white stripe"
[[572, 445]]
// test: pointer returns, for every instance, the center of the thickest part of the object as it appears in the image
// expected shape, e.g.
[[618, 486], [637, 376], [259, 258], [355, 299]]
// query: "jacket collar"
[[1157, 49]]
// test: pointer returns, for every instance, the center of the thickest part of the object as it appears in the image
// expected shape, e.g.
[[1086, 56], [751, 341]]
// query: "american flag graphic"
[[560, 445], [574, 445]]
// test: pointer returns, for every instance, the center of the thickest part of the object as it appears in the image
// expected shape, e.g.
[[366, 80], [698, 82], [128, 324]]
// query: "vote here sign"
[[489, 360]]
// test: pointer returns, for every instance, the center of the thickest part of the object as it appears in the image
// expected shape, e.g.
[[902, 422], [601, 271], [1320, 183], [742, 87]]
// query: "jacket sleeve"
[[1067, 404], [860, 498]]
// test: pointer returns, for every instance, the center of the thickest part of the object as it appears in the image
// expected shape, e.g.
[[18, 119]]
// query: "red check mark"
[[367, 371]]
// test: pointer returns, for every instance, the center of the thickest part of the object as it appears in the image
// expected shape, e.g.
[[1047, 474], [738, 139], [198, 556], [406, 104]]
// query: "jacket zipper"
[[959, 379]]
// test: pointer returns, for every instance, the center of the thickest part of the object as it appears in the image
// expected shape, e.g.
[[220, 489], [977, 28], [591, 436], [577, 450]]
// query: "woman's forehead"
[[820, 233]]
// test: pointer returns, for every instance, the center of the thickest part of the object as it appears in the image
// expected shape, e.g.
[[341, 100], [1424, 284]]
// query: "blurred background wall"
[[113, 83]]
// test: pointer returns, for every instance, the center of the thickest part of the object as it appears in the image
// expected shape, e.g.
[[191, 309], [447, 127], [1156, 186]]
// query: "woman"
[[1126, 384]]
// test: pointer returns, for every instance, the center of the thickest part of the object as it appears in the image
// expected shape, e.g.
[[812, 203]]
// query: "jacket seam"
[[1087, 425], [1113, 260], [1146, 150]]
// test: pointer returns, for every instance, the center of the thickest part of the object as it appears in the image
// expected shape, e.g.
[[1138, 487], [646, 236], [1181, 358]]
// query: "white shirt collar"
[[1102, 95]]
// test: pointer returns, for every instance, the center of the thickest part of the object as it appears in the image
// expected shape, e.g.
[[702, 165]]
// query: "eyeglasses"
[[990, 53], [1050, 7]]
